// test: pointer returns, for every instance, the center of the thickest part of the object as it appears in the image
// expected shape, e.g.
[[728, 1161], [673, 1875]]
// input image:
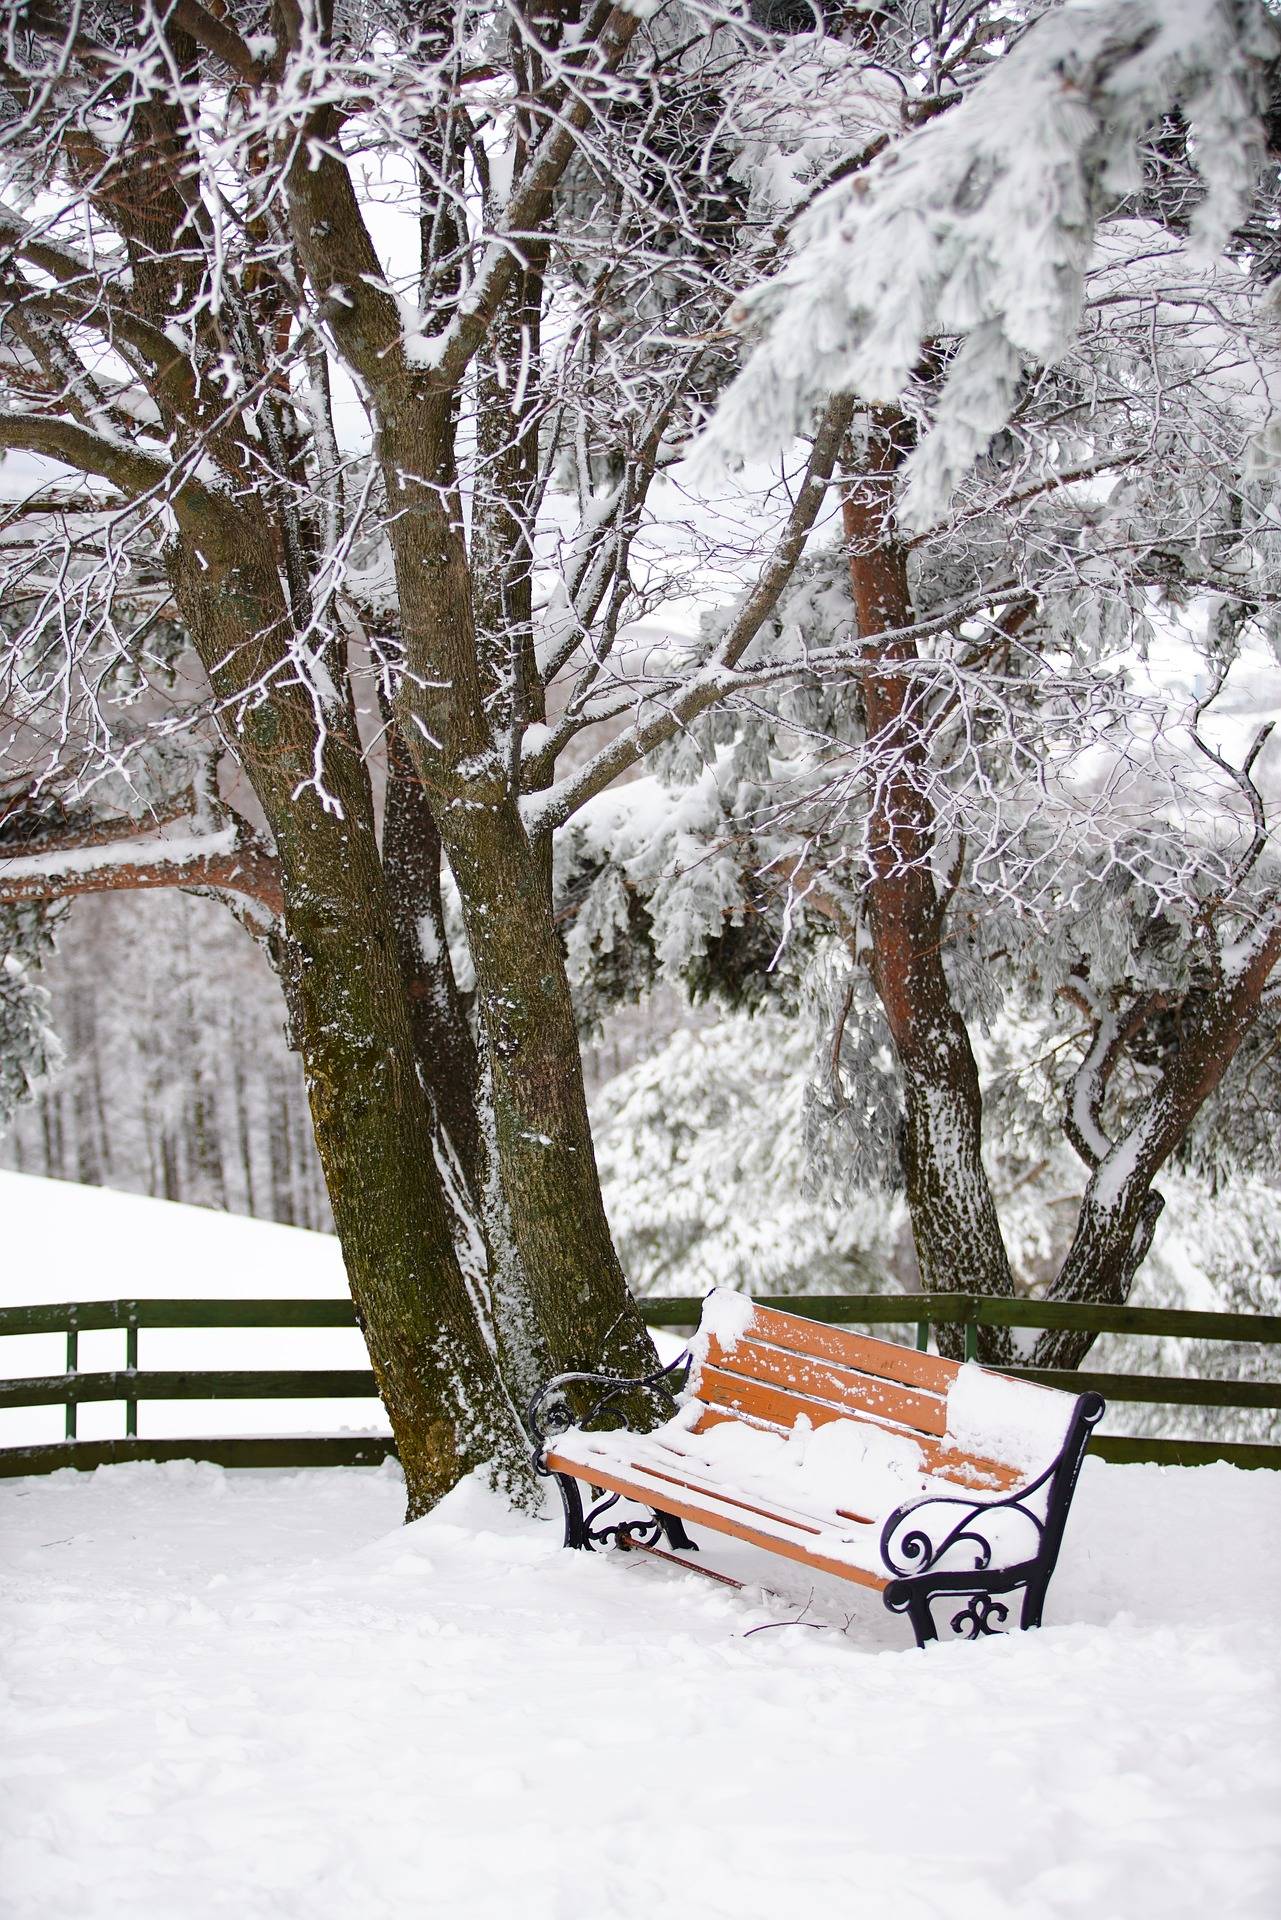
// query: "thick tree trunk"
[[411, 862], [351, 1021], [1108, 1247], [561, 1301], [374, 1127], [559, 1297], [958, 1238]]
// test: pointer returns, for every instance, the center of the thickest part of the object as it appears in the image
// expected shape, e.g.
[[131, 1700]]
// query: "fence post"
[[131, 1366], [73, 1358]]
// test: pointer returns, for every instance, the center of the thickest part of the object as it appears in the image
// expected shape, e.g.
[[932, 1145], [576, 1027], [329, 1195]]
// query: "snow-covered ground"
[[258, 1695]]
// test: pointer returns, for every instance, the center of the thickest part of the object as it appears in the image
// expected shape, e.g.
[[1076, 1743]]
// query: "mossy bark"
[[411, 855], [562, 1301], [351, 1021]]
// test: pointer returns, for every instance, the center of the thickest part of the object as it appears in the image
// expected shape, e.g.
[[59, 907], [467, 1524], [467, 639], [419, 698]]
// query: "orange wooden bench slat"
[[718, 1520], [969, 1470], [822, 1381], [634, 1475], [690, 1484], [859, 1350], [759, 1401], [782, 1407], [683, 1472]]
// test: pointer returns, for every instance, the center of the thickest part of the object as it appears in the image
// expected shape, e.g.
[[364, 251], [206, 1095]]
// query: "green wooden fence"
[[72, 1388]]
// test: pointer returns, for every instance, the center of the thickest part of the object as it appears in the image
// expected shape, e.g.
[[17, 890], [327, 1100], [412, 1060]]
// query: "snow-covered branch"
[[717, 675], [227, 859], [977, 228]]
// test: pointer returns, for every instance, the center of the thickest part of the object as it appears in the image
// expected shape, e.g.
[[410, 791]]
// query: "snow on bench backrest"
[[1011, 1420], [773, 1369]]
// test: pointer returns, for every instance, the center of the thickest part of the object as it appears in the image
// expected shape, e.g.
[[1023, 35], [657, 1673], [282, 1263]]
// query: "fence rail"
[[131, 1385]]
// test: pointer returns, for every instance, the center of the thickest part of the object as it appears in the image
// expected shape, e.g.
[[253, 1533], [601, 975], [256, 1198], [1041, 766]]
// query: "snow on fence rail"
[[73, 1388]]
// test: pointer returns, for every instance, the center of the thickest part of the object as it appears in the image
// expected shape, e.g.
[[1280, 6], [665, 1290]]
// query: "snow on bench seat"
[[855, 1456]]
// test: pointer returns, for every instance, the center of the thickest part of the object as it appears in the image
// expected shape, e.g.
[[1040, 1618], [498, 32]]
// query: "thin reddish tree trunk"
[[958, 1238]]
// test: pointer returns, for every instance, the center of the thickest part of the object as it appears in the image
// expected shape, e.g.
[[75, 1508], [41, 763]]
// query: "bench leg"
[[916, 1605], [580, 1533], [674, 1532], [572, 1501], [971, 1608]]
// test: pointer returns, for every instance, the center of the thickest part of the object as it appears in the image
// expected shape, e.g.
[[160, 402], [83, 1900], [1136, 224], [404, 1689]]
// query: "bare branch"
[[1241, 779], [127, 468], [218, 37], [717, 676]]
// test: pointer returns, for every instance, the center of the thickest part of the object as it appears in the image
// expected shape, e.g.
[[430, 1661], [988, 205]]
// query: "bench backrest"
[[757, 1364]]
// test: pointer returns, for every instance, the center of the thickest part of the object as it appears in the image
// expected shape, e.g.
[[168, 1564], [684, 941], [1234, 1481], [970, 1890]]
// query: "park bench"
[[944, 1485]]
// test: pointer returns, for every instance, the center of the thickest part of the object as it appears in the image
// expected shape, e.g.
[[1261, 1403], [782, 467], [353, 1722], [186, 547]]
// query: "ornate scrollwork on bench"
[[920, 1538], [550, 1414], [976, 1619], [958, 1545], [644, 1531]]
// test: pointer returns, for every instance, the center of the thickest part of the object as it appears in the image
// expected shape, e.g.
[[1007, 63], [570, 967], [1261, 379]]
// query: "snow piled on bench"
[[258, 1695], [727, 1316], [840, 1464], [1014, 1421]]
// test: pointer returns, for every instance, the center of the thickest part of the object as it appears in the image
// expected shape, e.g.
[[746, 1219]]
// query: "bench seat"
[[895, 1469]]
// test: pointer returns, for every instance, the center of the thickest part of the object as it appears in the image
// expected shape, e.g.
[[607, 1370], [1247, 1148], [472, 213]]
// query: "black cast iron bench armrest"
[[944, 1543], [552, 1396]]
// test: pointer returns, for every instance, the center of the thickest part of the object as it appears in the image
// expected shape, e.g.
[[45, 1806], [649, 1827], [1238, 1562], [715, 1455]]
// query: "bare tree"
[[349, 350]]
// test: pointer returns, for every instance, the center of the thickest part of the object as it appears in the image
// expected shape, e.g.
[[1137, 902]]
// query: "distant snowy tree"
[[29, 1049], [177, 1081]]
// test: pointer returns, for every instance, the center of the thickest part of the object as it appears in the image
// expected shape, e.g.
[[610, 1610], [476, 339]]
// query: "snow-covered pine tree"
[[1020, 779]]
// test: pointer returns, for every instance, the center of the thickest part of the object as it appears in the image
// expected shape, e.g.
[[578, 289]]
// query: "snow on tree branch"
[[979, 227]]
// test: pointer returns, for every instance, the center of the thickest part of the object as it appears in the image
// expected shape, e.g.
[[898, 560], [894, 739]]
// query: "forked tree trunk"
[[351, 1022], [958, 1238], [559, 1296], [1120, 1208]]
